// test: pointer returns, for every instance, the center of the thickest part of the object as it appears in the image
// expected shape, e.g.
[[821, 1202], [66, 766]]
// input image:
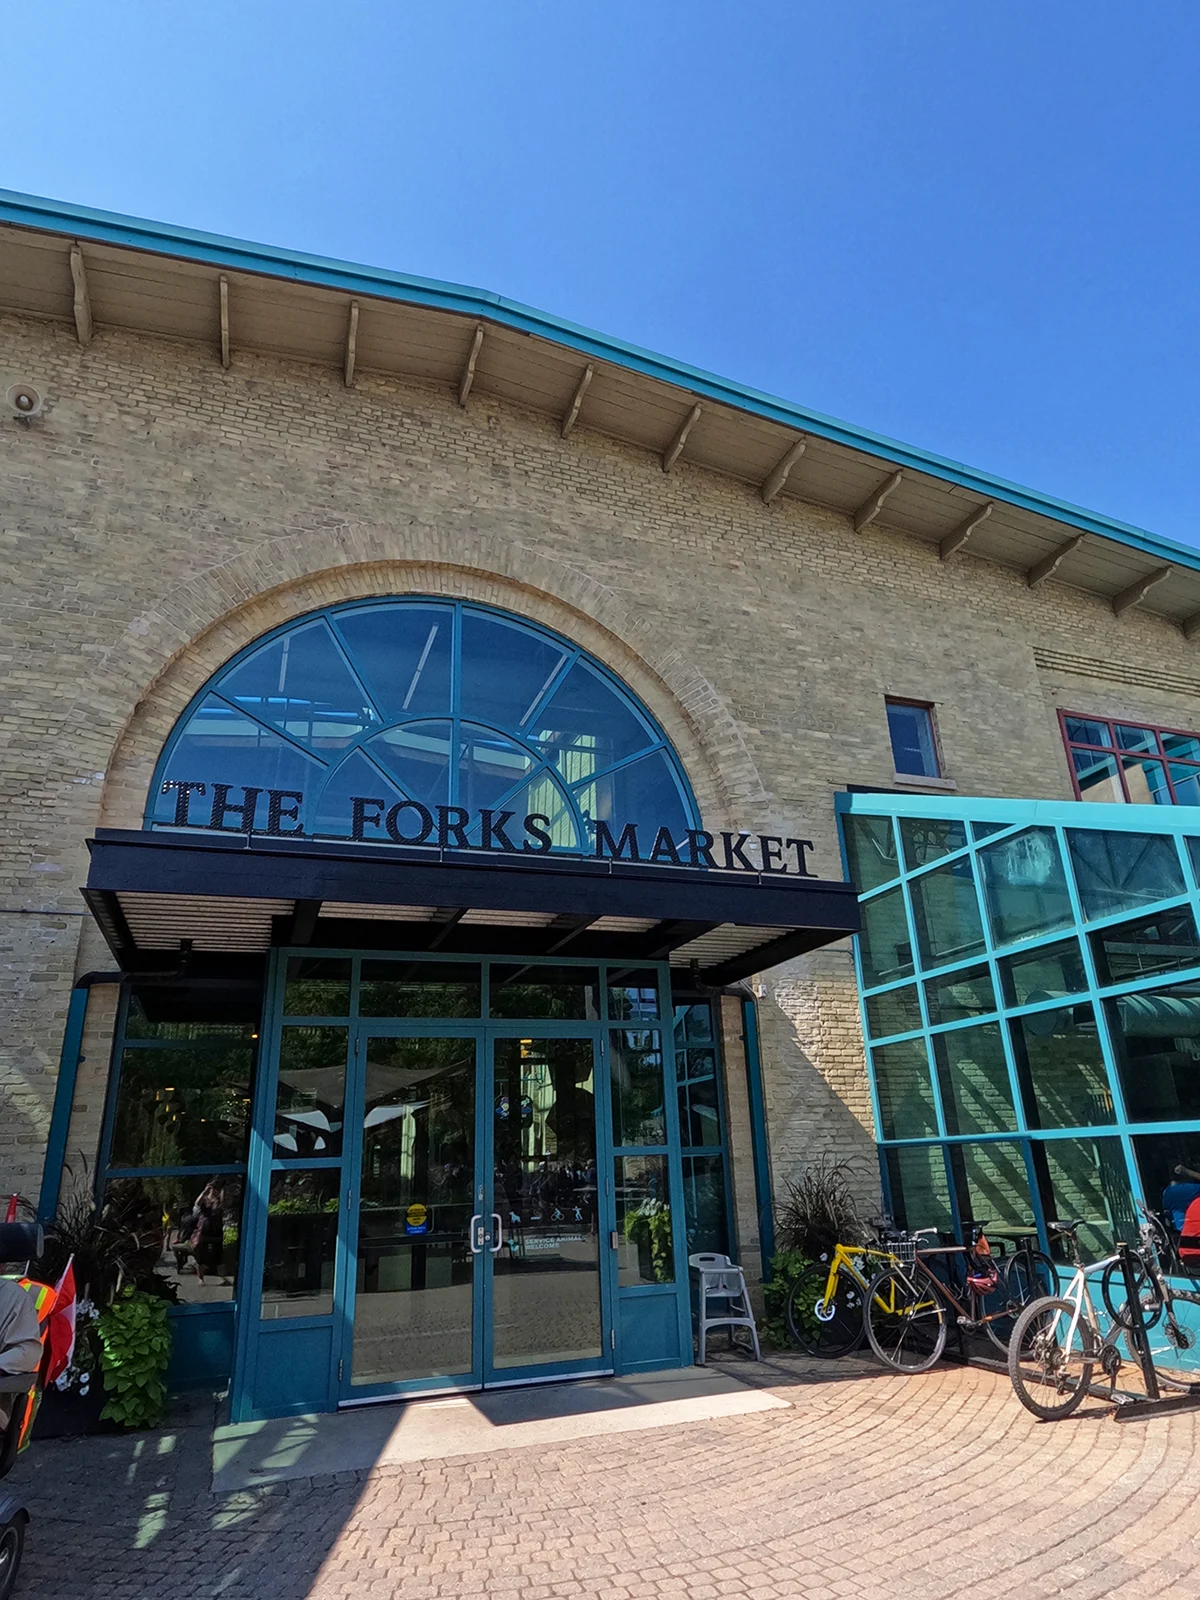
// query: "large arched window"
[[433, 701]]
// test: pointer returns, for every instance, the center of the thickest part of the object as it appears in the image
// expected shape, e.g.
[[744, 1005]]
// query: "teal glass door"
[[418, 1234], [473, 1248], [545, 1302]]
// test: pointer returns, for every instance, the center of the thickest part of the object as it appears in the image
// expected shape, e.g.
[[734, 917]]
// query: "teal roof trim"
[[239, 255]]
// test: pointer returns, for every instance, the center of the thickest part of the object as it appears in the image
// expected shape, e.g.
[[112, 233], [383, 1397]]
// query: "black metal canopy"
[[223, 894]]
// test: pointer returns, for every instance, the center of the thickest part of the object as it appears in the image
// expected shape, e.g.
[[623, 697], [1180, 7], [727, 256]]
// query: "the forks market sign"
[[226, 808]]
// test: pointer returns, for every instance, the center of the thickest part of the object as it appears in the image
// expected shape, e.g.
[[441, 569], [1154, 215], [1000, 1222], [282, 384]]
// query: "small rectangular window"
[[914, 749]]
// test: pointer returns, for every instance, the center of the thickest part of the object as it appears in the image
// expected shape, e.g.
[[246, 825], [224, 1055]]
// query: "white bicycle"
[[1057, 1341]]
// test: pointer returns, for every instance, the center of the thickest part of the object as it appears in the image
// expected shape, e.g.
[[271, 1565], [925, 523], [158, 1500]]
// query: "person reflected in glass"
[[1178, 1196], [204, 1228]]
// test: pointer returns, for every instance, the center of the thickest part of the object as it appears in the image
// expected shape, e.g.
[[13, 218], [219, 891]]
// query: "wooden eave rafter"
[[292, 313]]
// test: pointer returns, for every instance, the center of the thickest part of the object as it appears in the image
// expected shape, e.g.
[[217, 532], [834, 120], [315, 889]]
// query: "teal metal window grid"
[[380, 695], [959, 831]]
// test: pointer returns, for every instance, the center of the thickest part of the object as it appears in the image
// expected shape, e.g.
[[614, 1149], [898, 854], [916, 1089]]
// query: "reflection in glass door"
[[419, 1235], [545, 1289]]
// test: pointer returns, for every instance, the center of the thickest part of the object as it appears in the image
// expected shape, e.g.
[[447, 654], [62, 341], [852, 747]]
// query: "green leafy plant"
[[819, 1210], [650, 1225], [785, 1267], [135, 1341]]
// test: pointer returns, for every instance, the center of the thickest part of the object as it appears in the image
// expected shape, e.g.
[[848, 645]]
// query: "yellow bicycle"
[[825, 1307]]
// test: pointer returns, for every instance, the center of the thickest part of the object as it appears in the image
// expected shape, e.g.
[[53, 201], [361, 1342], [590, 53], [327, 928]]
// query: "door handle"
[[472, 1235], [499, 1221]]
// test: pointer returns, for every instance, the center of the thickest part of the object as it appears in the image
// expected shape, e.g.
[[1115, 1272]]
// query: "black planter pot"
[[65, 1413]]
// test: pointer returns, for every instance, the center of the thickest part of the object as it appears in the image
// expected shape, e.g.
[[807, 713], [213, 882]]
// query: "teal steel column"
[[758, 1135], [64, 1094]]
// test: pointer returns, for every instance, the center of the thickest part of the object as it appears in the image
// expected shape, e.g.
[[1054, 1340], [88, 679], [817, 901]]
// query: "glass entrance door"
[[418, 1238], [545, 1281], [474, 1241]]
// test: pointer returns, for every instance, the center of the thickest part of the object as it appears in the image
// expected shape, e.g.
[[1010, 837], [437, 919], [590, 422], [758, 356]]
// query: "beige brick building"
[[225, 440]]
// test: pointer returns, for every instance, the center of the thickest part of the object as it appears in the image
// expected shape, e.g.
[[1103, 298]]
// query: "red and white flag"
[[11, 1214], [61, 1332]]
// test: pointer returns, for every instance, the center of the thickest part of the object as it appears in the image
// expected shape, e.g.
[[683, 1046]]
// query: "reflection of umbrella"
[[381, 1114], [288, 1142], [311, 1119]]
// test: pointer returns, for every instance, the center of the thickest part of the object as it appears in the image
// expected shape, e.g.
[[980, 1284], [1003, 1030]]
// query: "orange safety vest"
[[44, 1300]]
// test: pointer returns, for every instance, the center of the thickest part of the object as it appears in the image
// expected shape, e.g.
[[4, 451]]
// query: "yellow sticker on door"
[[416, 1219]]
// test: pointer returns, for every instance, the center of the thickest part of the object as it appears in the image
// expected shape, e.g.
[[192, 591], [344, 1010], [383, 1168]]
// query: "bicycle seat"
[[1067, 1227]]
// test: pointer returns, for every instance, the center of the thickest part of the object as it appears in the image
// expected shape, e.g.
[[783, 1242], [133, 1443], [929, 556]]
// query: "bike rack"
[[1153, 1403]]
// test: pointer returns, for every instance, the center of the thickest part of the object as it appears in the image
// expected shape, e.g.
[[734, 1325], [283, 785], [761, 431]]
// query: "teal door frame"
[[484, 1373], [301, 1364]]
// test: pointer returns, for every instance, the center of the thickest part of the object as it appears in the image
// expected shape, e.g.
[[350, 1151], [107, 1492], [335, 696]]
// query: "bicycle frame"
[[843, 1260], [1080, 1294]]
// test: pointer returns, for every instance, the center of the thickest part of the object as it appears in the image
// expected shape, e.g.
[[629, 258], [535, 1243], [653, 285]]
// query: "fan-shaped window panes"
[[354, 722]]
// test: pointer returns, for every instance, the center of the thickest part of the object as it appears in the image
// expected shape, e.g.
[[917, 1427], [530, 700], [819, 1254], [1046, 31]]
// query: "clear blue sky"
[[970, 224]]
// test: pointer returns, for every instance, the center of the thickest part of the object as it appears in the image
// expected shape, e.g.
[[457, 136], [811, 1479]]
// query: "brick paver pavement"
[[940, 1485]]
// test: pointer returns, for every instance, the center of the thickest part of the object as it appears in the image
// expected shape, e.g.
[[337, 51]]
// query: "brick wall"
[[165, 512]]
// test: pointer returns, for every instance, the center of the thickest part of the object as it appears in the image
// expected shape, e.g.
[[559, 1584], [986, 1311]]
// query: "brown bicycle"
[[909, 1308]]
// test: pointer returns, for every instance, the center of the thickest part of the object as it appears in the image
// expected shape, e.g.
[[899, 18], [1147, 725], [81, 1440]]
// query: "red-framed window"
[[1131, 762]]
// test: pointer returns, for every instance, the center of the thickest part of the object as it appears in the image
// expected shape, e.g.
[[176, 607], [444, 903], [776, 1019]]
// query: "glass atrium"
[[1030, 983]]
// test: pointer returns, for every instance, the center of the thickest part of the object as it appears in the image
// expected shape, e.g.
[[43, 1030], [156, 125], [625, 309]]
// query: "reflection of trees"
[[398, 998], [637, 1080], [180, 1107]]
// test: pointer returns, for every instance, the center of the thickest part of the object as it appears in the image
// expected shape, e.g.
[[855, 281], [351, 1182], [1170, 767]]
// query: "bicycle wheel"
[[1115, 1294], [1171, 1343], [905, 1322], [1049, 1365], [822, 1328], [1022, 1284]]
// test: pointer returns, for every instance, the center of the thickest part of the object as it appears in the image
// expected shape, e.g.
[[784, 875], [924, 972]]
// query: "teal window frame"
[[989, 822], [326, 766]]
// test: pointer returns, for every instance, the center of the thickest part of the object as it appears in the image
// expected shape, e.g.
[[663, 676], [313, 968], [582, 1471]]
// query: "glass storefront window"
[[189, 1230], [894, 1011], [419, 989], [645, 1247], [632, 996], [1086, 1178], [905, 1091], [534, 991], [926, 840], [317, 987], [699, 1100], [884, 944], [636, 1072], [1060, 1065], [960, 995], [193, 1013], [1117, 872], [1025, 887], [1050, 972], [992, 1185], [871, 852], [693, 1024], [946, 913], [973, 1077], [920, 1194], [302, 1217], [1162, 943], [310, 1100], [1156, 1035], [1169, 1190], [183, 1105], [704, 1206]]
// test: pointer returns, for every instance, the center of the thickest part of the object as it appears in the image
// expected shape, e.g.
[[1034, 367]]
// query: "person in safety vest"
[[20, 1337], [22, 1347]]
